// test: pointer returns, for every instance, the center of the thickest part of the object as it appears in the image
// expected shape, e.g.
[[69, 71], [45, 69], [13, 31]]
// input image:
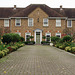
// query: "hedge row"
[[10, 49]]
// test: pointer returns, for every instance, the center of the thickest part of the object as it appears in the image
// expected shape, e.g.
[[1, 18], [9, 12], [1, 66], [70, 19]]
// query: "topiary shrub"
[[68, 49], [67, 38]]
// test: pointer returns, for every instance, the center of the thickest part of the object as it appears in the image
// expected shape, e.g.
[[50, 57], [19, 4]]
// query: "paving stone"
[[38, 60]]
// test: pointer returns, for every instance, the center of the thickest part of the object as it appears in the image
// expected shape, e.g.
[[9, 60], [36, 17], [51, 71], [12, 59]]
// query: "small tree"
[[31, 37], [44, 37]]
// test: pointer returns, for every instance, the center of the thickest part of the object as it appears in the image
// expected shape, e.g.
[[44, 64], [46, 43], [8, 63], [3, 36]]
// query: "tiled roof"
[[24, 12], [8, 12]]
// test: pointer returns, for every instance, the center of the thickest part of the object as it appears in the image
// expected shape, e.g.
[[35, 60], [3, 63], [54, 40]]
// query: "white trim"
[[71, 24], [58, 34], [4, 18], [48, 33], [40, 35], [58, 17], [27, 33], [4, 23], [32, 22], [47, 21], [18, 33], [58, 20], [18, 17], [15, 22]]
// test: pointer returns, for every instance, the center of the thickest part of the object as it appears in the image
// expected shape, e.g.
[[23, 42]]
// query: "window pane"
[[30, 22], [6, 23], [58, 22], [45, 22], [48, 38], [69, 22], [18, 22]]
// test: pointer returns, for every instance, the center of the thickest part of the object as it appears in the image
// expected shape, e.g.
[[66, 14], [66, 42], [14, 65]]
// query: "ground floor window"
[[18, 33], [58, 35], [48, 35], [27, 36]]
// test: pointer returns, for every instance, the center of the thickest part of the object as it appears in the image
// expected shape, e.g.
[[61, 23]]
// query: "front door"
[[37, 37]]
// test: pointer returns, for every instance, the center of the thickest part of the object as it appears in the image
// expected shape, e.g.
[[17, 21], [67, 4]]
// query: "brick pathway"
[[38, 60]]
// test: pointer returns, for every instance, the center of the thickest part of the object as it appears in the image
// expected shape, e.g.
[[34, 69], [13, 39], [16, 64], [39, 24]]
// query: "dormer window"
[[45, 22], [69, 23], [17, 22]]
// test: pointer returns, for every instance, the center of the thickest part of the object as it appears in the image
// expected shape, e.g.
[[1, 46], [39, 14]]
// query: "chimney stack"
[[14, 7], [61, 7]]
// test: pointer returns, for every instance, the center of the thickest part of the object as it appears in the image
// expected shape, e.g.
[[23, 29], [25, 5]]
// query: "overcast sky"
[[51, 3]]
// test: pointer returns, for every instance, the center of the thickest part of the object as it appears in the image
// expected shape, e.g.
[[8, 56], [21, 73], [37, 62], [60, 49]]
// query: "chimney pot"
[[60, 7], [15, 7]]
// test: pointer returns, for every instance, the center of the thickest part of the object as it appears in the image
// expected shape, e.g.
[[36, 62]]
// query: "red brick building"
[[37, 20]]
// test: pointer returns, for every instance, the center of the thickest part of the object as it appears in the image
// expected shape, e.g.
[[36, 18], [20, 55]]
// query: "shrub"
[[67, 38], [15, 37], [1, 54], [7, 38], [68, 49], [61, 40], [67, 43], [55, 39], [29, 42], [10, 49], [22, 39], [5, 52], [62, 47], [73, 49], [45, 42]]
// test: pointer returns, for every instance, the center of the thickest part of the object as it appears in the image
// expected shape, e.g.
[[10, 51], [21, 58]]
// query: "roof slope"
[[67, 12], [8, 12], [24, 12], [45, 8]]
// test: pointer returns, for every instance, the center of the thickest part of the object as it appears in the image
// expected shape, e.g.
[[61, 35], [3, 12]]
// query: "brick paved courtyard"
[[38, 60]]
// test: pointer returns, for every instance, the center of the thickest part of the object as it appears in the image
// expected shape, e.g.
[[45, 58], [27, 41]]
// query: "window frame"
[[27, 33], [18, 33], [67, 23], [58, 34], [47, 22], [46, 36], [5, 24], [57, 24], [29, 22], [16, 22]]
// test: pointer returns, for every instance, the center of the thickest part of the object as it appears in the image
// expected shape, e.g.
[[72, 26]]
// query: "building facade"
[[37, 20]]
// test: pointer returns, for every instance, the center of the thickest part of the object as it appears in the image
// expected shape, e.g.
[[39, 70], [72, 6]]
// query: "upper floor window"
[[58, 23], [69, 23], [45, 22], [6, 23], [17, 22], [58, 35], [30, 22]]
